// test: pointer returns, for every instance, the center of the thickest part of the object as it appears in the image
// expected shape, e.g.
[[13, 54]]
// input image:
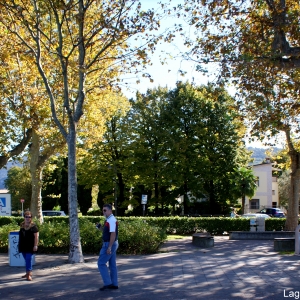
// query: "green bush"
[[189, 225], [213, 225], [138, 237], [4, 232], [91, 237], [276, 224], [135, 236], [54, 237], [10, 220]]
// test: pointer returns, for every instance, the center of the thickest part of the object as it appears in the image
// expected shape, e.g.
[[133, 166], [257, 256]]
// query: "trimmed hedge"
[[137, 235], [213, 225], [172, 225]]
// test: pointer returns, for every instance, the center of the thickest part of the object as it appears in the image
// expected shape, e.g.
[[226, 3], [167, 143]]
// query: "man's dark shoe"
[[105, 287], [113, 287]]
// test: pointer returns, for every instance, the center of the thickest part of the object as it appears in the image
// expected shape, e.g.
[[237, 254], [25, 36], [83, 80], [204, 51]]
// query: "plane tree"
[[80, 46], [104, 162], [256, 45], [15, 126], [23, 101], [204, 144], [149, 146]]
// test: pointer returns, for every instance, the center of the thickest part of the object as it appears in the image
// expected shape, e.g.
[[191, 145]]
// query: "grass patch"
[[173, 237], [286, 252]]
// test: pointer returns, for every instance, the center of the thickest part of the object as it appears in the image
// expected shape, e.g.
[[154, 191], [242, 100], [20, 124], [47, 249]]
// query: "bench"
[[203, 240], [284, 244]]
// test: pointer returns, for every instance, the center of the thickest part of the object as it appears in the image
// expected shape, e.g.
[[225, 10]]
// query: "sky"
[[168, 74]]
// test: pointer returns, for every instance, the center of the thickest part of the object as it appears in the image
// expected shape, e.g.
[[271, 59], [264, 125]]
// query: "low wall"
[[284, 244], [203, 240], [260, 235]]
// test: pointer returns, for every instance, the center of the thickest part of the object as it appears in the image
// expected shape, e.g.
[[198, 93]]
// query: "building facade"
[[5, 203], [266, 195]]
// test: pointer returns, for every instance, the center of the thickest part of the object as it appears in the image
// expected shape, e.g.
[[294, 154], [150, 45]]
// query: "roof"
[[4, 191], [262, 164]]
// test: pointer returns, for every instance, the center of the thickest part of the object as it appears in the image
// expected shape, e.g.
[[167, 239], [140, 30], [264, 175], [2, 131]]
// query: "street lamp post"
[[22, 201]]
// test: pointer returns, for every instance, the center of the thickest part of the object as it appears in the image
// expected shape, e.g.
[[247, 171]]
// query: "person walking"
[[108, 252], [28, 242]]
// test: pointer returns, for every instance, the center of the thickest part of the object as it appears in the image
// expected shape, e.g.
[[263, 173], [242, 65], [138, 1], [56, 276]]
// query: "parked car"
[[255, 216], [272, 212], [53, 213]]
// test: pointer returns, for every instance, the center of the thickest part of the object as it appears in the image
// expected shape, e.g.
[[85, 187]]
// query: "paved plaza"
[[232, 269]]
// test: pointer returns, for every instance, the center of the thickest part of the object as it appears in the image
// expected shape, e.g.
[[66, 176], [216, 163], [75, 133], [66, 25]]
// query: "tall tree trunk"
[[292, 218], [75, 254], [36, 171], [121, 196], [156, 195], [243, 203], [185, 198], [212, 198], [37, 164]]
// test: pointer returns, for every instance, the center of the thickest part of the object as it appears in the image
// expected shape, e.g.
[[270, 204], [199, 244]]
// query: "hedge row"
[[135, 237], [213, 225], [174, 225]]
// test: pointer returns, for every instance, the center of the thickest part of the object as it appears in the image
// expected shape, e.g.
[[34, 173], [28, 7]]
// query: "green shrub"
[[54, 237], [189, 225], [138, 237], [4, 232], [276, 224], [91, 237], [10, 220], [135, 236]]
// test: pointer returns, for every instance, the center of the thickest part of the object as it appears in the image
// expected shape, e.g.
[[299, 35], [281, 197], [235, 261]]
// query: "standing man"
[[108, 250]]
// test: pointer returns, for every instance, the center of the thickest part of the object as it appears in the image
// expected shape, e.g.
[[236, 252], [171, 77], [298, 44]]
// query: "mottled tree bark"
[[293, 204]]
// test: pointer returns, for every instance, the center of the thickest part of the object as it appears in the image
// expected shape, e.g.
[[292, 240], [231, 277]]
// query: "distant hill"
[[259, 154]]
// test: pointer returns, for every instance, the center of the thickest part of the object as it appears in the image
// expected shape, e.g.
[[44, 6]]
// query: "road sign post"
[[22, 201], [144, 202]]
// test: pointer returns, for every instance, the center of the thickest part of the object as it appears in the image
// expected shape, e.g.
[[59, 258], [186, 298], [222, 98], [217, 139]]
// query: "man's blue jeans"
[[28, 260], [110, 277]]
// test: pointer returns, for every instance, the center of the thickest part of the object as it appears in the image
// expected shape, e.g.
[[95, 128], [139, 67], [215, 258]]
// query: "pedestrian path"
[[232, 269]]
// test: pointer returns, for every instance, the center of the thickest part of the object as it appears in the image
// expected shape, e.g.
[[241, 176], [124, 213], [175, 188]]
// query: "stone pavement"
[[232, 269]]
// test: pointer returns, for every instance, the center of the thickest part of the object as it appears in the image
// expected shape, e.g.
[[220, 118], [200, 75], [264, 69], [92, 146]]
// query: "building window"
[[254, 203], [273, 192], [257, 181], [274, 204]]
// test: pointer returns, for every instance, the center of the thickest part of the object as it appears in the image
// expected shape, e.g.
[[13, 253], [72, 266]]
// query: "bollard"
[[260, 221], [15, 257], [253, 225]]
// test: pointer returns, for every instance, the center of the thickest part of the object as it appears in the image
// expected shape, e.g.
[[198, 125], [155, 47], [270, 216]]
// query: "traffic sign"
[[144, 199]]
